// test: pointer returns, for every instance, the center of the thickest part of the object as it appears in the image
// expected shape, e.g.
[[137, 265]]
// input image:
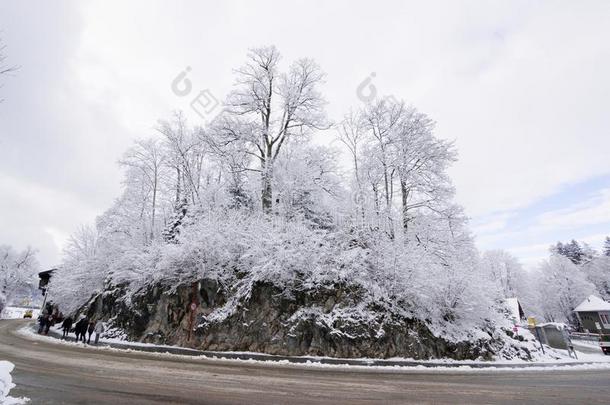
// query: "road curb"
[[183, 351]]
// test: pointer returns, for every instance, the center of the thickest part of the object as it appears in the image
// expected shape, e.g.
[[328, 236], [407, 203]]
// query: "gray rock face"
[[334, 321]]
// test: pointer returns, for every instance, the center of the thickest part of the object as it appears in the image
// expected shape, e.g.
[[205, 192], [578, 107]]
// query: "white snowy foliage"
[[17, 270], [551, 291], [563, 286], [598, 272], [391, 231]]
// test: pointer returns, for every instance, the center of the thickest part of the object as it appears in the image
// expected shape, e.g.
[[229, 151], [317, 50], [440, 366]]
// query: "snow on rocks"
[[555, 360]]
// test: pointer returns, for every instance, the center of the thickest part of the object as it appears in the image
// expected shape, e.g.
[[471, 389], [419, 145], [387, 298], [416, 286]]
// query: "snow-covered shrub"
[[238, 250]]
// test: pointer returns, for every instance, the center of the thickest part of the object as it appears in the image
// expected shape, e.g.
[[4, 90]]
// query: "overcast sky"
[[522, 87]]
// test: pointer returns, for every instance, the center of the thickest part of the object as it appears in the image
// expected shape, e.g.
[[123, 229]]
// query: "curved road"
[[50, 373]]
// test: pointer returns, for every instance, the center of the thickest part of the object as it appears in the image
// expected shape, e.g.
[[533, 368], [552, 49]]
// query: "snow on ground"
[[57, 329], [586, 344], [550, 356], [561, 362], [6, 385], [18, 312]]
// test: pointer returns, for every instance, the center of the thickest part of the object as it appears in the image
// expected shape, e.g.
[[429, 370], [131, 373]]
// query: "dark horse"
[[81, 329]]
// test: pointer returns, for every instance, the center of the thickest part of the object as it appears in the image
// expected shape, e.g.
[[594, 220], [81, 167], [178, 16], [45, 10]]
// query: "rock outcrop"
[[335, 321]]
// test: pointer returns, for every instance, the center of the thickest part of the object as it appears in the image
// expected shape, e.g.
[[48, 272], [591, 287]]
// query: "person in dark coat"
[[41, 323], [81, 328], [48, 324], [66, 326], [77, 328], [90, 330]]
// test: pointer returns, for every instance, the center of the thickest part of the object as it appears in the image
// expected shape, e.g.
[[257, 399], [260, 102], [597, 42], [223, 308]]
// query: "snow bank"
[[18, 312], [554, 361], [6, 384]]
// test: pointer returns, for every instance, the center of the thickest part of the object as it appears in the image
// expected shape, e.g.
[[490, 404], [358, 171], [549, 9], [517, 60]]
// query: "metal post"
[[539, 338], [44, 301], [193, 307]]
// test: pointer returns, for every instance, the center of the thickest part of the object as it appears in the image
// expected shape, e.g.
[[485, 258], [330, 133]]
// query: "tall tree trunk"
[[266, 189], [178, 186], [360, 201], [267, 196], [405, 205], [388, 191], [154, 207]]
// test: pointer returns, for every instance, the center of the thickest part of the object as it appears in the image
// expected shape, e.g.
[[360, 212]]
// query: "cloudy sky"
[[522, 87]]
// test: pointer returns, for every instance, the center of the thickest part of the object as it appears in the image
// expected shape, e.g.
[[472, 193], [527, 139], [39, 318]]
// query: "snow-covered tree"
[[511, 280], [563, 285], [382, 119], [591, 271], [17, 270], [422, 162], [598, 273], [82, 272], [5, 69], [352, 134], [148, 159], [195, 187], [606, 248], [578, 253], [308, 185], [505, 271], [269, 108], [394, 151], [186, 155]]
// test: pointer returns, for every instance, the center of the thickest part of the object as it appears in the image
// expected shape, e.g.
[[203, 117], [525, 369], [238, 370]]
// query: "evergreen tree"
[[558, 249], [572, 250], [606, 248], [588, 253]]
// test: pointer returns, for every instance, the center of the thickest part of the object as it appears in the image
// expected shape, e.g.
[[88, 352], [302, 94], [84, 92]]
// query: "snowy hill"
[[281, 249]]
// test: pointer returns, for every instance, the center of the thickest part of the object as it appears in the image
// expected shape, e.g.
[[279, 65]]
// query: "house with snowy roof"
[[594, 315]]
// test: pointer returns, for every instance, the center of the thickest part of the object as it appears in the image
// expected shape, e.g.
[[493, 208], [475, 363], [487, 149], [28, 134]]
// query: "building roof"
[[46, 272], [593, 304]]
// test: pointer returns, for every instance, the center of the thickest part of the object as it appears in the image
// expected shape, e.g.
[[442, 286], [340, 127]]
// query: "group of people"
[[50, 316], [82, 328]]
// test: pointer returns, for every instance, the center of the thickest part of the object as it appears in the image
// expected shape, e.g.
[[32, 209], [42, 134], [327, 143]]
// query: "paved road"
[[49, 373]]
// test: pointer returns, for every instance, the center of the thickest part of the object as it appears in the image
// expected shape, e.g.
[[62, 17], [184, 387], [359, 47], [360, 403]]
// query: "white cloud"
[[531, 255], [37, 216], [491, 224], [59, 237], [594, 210], [522, 87]]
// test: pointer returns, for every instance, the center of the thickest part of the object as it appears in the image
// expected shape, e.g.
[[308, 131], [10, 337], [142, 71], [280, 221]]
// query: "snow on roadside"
[[555, 356], [6, 385], [18, 312], [587, 344], [593, 362]]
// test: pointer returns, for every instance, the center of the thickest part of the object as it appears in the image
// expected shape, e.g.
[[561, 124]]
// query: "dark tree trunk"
[[405, 207], [267, 195]]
